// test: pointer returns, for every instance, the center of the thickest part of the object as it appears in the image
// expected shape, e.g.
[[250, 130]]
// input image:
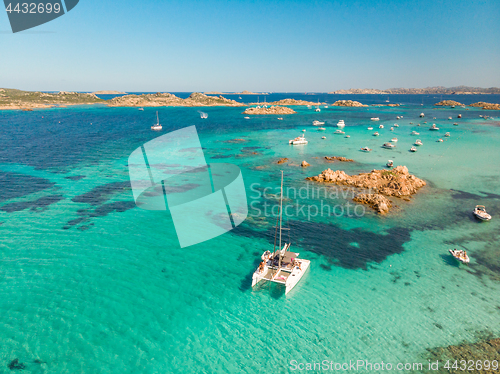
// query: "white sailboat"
[[281, 266], [158, 126]]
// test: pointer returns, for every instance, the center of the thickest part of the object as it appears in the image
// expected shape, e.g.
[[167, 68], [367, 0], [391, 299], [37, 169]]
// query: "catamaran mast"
[[157, 118], [281, 214]]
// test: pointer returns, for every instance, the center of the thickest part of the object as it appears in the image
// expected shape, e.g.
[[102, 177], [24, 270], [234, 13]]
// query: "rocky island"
[[294, 102], [17, 99], [167, 99], [487, 106], [397, 182], [270, 110], [459, 90], [448, 103], [348, 103]]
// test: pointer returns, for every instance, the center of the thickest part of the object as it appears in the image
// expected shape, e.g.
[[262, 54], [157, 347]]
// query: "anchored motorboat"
[[366, 149], [376, 134], [422, 115], [455, 124], [390, 164], [370, 128], [381, 127], [375, 119], [460, 255], [341, 123], [389, 145], [323, 137], [318, 123], [418, 142], [299, 140], [434, 127], [413, 149], [440, 140], [396, 125], [415, 133], [394, 140], [348, 136], [339, 132], [480, 212], [281, 266], [392, 128], [447, 134], [321, 129]]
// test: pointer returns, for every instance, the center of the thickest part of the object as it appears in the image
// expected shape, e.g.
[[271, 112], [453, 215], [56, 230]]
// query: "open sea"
[[89, 283]]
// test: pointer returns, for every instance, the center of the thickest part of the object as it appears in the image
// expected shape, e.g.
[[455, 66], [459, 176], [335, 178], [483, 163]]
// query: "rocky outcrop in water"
[[488, 106], [294, 102], [397, 182], [448, 103], [380, 203], [350, 103], [338, 158], [282, 160], [270, 110], [305, 164], [167, 99]]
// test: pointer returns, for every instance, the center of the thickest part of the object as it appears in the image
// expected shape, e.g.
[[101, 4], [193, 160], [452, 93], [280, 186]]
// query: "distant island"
[[167, 99], [108, 93], [17, 99], [459, 90]]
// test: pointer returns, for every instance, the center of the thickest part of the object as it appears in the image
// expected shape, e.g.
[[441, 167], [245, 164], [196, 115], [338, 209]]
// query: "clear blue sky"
[[271, 45]]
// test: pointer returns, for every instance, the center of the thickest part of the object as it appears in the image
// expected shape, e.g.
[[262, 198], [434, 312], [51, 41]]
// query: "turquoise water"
[[90, 283]]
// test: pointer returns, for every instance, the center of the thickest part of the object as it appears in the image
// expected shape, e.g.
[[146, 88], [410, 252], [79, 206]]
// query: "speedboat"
[[141, 109], [375, 119], [422, 115], [303, 130], [321, 129], [440, 140], [449, 117], [376, 134], [323, 137], [280, 119], [366, 149], [340, 132], [394, 140], [392, 128], [381, 127], [434, 127], [370, 128], [299, 140], [348, 136], [455, 124], [390, 164], [398, 117], [318, 123], [418, 142], [280, 266], [341, 123], [460, 255], [413, 149], [415, 133], [480, 212], [158, 126], [326, 106], [459, 116], [246, 117], [396, 125], [447, 134], [388, 145]]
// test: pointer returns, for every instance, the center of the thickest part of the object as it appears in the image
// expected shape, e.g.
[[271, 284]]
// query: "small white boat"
[[434, 127], [455, 124], [318, 123], [388, 145], [281, 266], [303, 130], [394, 140], [326, 106], [440, 140], [366, 149], [415, 133], [459, 116], [449, 117], [203, 115], [418, 142], [381, 127], [447, 134], [341, 123], [401, 117], [370, 128], [308, 107], [422, 115], [141, 109], [396, 125], [376, 134], [299, 140], [246, 117], [375, 119], [418, 124], [413, 149], [280, 118], [323, 137], [321, 129], [348, 136], [480, 212], [339, 132], [398, 117], [390, 164], [158, 126], [317, 110], [392, 128], [460, 255]]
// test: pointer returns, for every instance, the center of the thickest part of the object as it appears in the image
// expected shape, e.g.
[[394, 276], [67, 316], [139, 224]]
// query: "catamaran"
[[158, 126], [280, 266]]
